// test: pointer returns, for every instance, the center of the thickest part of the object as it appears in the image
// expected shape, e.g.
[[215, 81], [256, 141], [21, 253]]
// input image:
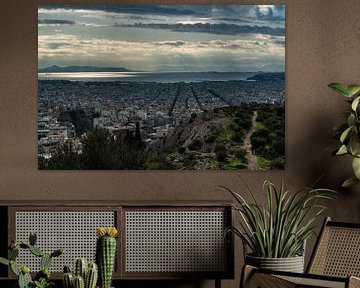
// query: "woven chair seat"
[[313, 282], [335, 262]]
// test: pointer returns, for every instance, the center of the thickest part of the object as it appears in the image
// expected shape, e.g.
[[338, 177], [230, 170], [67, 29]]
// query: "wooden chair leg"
[[246, 274], [354, 282]]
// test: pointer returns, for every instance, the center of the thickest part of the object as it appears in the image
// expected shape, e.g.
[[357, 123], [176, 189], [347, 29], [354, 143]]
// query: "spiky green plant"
[[42, 278], [79, 282], [106, 254], [349, 132], [91, 275], [80, 267], [68, 280], [84, 273], [279, 229]]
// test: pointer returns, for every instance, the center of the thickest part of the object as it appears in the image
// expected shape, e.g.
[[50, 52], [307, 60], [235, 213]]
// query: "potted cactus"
[[106, 254], [42, 278], [84, 275]]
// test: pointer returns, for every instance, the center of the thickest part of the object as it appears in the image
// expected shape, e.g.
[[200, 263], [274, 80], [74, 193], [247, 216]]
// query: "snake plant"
[[349, 132], [279, 228]]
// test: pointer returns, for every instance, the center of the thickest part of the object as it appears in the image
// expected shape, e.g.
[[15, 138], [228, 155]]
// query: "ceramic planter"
[[291, 264]]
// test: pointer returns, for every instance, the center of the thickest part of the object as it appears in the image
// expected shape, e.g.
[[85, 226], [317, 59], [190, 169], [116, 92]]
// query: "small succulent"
[[42, 283]]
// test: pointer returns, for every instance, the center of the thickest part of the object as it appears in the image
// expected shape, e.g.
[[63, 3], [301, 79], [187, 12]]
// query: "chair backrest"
[[337, 251]]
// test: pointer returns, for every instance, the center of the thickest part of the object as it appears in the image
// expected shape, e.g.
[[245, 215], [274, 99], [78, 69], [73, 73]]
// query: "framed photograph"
[[161, 87]]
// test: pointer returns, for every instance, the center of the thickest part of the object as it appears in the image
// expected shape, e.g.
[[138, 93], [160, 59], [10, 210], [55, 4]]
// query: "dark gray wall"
[[322, 46]]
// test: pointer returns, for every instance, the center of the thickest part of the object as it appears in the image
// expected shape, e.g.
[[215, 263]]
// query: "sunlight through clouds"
[[178, 37]]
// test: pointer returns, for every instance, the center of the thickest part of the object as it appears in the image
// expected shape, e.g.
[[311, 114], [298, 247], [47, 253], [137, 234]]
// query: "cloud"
[[178, 13], [74, 45], [130, 9], [170, 43], [270, 12], [223, 29], [177, 55], [280, 42], [56, 22]]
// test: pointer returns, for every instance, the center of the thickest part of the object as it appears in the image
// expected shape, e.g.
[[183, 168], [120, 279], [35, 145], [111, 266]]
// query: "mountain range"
[[73, 68]]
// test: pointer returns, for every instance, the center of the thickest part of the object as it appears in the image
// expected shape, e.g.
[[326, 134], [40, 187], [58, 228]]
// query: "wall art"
[[161, 87]]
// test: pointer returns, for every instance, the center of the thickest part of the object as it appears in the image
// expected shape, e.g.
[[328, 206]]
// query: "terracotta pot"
[[291, 264]]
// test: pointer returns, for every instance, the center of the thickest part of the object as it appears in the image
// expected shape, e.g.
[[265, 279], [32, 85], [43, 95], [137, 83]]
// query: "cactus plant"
[[84, 274], [79, 282], [45, 261], [68, 280], [32, 239], [24, 277], [80, 267], [42, 278], [105, 254], [91, 276]]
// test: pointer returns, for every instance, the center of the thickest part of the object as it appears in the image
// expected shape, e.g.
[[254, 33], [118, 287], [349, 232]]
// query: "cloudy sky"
[[224, 38]]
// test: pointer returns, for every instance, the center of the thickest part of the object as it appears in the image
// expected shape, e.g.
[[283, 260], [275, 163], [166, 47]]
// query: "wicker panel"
[[260, 280], [175, 241], [75, 231], [305, 282], [338, 253]]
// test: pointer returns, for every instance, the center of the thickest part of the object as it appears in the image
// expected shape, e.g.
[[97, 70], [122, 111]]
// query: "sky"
[[164, 38]]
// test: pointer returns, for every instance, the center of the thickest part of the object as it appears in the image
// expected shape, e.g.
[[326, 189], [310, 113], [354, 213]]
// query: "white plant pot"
[[291, 264]]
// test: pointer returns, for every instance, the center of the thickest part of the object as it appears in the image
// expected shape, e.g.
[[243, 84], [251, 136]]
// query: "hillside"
[[224, 139]]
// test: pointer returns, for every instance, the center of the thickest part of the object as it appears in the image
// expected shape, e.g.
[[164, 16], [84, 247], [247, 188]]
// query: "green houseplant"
[[349, 132], [42, 278], [84, 274], [279, 229]]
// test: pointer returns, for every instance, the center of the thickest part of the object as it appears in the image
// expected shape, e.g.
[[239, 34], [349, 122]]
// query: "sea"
[[160, 77]]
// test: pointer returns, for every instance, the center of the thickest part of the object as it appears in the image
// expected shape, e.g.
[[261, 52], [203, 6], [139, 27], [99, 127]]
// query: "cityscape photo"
[[161, 87]]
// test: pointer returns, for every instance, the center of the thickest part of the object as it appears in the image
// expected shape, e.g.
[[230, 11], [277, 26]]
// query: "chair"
[[335, 262]]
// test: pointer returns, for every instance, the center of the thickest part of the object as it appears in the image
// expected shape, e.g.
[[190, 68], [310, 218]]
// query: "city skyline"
[[160, 38]]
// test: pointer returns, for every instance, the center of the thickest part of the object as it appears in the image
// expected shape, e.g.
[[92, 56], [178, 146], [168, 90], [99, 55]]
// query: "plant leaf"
[[356, 167], [349, 182], [342, 150], [351, 120], [355, 103], [340, 88], [353, 89], [4, 261], [345, 134]]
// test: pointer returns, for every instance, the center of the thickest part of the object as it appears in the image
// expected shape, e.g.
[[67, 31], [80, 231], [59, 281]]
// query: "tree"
[[121, 151], [95, 150], [65, 158]]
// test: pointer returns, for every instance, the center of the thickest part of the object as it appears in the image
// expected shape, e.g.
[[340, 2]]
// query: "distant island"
[[64, 69], [266, 76]]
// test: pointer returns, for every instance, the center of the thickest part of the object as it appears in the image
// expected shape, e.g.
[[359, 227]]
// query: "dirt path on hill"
[[251, 158]]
